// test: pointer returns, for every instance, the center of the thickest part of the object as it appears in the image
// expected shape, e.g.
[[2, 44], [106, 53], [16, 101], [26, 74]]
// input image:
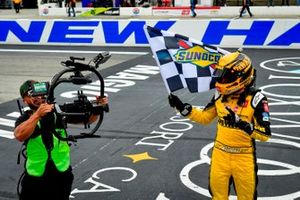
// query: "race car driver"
[[243, 117]]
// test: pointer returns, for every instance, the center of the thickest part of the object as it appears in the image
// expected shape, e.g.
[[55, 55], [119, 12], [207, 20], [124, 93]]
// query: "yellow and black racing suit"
[[233, 156]]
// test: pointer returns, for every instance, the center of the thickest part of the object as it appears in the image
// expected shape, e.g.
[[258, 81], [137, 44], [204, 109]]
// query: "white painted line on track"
[[7, 122], [14, 114], [7, 134], [72, 51]]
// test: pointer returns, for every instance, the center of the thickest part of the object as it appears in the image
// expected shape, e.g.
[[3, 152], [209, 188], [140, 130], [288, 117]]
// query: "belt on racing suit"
[[230, 149]]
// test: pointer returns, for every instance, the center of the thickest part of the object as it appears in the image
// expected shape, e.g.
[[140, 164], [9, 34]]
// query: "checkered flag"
[[183, 62]]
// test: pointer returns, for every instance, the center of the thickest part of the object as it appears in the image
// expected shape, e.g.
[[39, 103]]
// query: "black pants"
[[17, 7], [71, 9], [247, 8], [53, 185]]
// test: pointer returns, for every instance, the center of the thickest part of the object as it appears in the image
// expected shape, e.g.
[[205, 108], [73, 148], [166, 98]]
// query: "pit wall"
[[227, 33], [210, 11]]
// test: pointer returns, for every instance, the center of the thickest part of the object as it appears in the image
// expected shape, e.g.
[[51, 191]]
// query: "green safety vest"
[[37, 155]]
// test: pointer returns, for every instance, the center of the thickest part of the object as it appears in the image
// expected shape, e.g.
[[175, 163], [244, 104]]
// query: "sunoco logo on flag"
[[197, 56]]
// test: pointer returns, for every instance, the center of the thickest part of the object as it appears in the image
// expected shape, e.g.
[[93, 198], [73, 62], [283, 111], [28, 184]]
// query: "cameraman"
[[48, 173]]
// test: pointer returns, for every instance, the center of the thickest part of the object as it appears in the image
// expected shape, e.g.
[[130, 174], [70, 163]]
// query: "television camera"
[[81, 109]]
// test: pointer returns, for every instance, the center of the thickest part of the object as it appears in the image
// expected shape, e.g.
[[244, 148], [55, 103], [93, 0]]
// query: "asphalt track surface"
[[146, 151]]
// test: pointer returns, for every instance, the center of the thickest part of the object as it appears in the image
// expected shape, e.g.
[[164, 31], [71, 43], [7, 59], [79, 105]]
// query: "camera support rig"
[[79, 79]]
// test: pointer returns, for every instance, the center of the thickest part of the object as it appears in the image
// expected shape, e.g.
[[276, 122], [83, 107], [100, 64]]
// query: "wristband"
[[187, 108]]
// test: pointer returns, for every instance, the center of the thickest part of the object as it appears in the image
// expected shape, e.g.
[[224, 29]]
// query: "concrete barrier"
[[227, 33], [206, 11]]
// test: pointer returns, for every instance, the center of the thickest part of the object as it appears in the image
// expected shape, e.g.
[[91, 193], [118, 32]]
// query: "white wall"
[[228, 11], [254, 33]]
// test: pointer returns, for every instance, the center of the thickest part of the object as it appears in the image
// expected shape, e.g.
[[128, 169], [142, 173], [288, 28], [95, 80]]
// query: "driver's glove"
[[233, 120], [184, 108]]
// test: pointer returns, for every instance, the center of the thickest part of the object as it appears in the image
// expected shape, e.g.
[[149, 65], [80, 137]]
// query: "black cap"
[[25, 87]]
